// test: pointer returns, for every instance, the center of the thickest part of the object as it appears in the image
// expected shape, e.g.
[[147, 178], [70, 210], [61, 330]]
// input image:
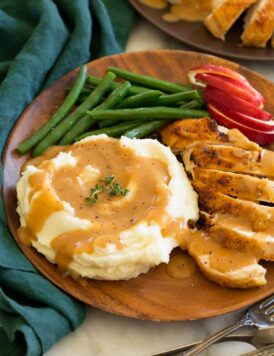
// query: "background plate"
[[154, 295], [196, 34]]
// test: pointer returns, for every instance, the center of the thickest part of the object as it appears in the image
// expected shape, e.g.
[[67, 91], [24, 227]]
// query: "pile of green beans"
[[70, 100], [134, 107]]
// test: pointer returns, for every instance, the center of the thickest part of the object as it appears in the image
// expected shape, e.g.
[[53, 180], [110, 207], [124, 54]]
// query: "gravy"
[[220, 258], [181, 266]]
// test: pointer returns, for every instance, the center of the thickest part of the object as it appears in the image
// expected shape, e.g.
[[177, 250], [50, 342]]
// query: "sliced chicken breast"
[[224, 14], [259, 24], [182, 134], [233, 179], [260, 217], [234, 159], [238, 224], [236, 233], [227, 267], [237, 185], [186, 133]]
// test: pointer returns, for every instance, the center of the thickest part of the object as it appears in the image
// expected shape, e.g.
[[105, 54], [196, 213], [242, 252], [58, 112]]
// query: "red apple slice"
[[244, 119], [261, 137], [260, 101], [224, 72], [234, 103], [228, 85], [214, 69]]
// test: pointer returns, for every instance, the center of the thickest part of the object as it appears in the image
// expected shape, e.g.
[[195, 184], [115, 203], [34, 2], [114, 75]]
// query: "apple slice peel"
[[242, 118], [235, 103], [223, 72], [261, 137], [230, 86]]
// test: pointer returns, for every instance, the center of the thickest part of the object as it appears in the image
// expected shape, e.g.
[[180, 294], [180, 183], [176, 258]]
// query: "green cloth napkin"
[[40, 40]]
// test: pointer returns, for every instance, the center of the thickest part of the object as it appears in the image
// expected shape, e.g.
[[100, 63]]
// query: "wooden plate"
[[154, 295], [196, 35]]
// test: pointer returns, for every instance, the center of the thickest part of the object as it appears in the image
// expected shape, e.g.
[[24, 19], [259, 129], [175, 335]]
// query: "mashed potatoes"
[[113, 236]]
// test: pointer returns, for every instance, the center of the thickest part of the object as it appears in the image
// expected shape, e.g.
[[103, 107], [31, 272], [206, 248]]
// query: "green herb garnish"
[[109, 185], [94, 192]]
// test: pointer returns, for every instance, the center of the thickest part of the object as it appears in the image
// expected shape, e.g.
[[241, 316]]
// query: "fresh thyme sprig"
[[94, 192], [109, 185]]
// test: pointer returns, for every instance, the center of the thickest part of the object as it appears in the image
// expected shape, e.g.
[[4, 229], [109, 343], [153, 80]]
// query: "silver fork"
[[260, 315], [251, 335], [264, 351]]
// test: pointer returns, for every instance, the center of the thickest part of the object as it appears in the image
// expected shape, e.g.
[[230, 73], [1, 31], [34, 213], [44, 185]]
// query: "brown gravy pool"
[[181, 266]]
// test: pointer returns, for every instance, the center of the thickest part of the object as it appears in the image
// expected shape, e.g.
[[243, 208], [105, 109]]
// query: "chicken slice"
[[224, 14], [235, 232], [185, 133], [259, 24], [237, 139], [227, 267], [233, 159], [237, 185], [236, 223], [260, 217]]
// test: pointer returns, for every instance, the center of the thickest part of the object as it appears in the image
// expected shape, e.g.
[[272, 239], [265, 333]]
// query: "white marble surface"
[[103, 334]]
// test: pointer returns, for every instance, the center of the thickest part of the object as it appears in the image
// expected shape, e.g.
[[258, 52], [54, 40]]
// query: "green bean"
[[133, 90], [139, 99], [69, 101], [145, 129], [132, 101], [194, 104], [149, 82], [77, 129], [113, 131], [107, 123], [165, 99], [84, 123], [175, 98], [87, 91], [115, 97], [201, 95], [59, 131], [82, 98], [147, 113]]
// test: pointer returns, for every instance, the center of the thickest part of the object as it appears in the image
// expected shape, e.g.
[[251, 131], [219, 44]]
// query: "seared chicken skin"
[[233, 179]]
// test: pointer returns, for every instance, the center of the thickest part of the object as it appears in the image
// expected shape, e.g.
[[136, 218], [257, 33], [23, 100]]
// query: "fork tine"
[[267, 302], [269, 310]]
